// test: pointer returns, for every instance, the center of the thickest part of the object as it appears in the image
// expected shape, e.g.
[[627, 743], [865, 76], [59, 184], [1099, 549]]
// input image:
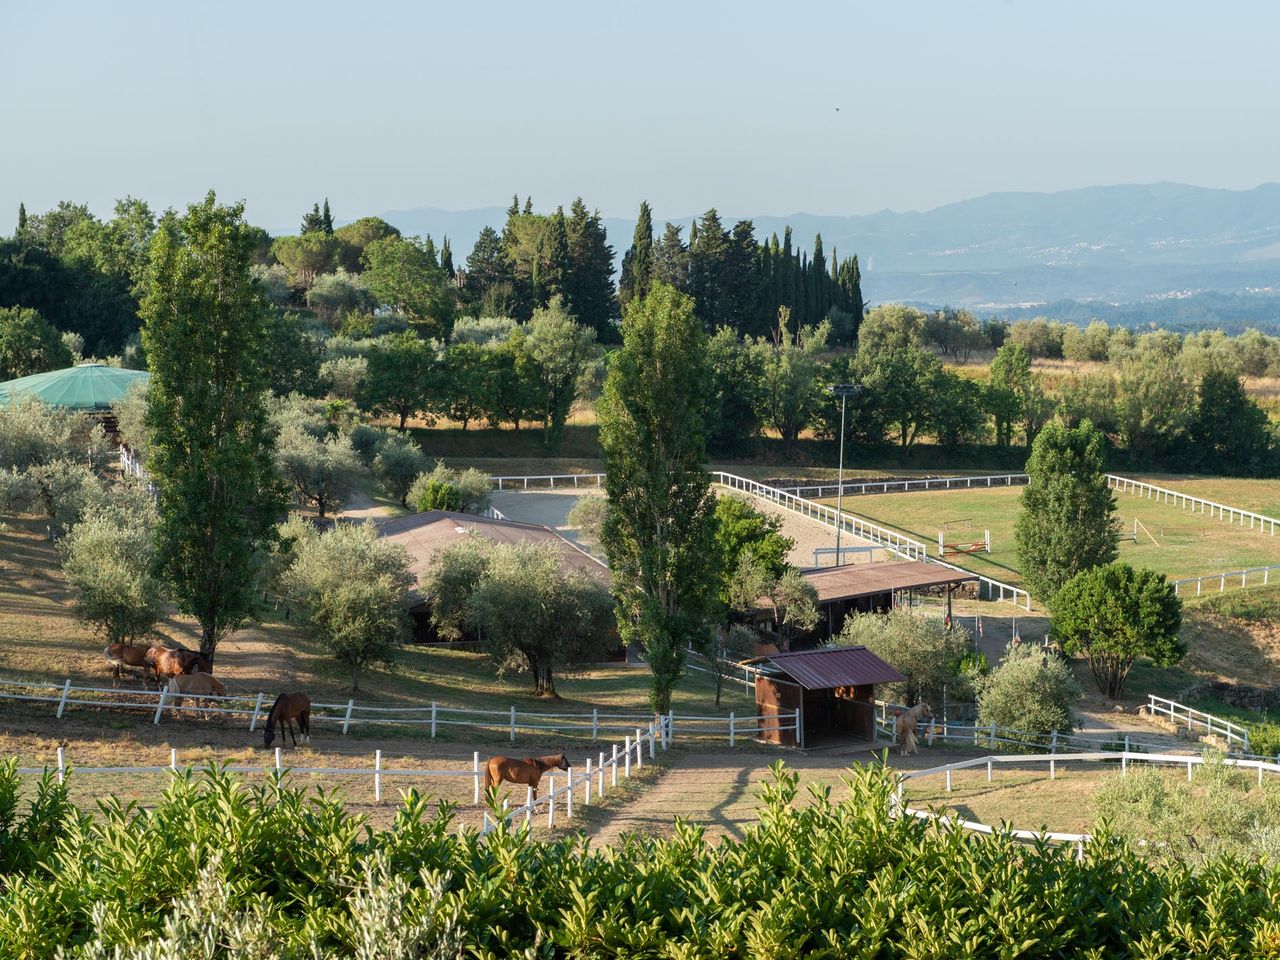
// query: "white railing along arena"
[[1218, 582], [857, 488], [1222, 511], [1192, 719], [431, 718]]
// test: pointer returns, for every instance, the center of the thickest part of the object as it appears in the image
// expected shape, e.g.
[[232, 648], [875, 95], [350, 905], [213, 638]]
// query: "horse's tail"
[[488, 776]]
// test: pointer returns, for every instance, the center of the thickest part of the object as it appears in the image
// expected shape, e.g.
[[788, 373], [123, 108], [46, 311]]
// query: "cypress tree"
[[528, 206], [446, 259], [22, 220], [637, 262], [559, 272], [590, 286], [327, 218], [708, 252], [429, 249], [313, 222], [671, 260]]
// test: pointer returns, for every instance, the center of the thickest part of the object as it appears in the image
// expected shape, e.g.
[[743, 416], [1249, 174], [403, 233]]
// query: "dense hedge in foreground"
[[222, 870]]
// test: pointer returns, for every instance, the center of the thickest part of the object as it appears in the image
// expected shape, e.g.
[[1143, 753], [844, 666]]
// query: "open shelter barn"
[[876, 588]]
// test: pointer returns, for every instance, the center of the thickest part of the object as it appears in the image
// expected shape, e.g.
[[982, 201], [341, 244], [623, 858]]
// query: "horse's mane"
[[275, 706], [547, 762]]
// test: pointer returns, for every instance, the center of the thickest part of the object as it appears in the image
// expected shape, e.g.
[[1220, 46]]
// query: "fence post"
[[475, 774], [600, 775], [279, 764], [551, 802], [377, 776], [627, 760], [800, 730], [1188, 771], [639, 745], [653, 735], [730, 729], [671, 729], [433, 719], [62, 765], [568, 795], [586, 793], [988, 769], [513, 726], [160, 705], [991, 742], [62, 704], [257, 708], [595, 723], [948, 779], [173, 759], [528, 805], [346, 723]]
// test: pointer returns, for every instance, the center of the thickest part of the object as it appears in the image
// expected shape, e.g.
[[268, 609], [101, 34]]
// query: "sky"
[[754, 108]]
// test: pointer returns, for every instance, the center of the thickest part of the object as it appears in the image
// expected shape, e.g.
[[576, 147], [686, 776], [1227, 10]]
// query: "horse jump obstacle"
[[977, 546]]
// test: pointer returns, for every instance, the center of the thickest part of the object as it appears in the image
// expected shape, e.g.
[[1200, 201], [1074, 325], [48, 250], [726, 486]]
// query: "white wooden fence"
[[1192, 719], [1218, 582], [1232, 515], [549, 480], [898, 806], [430, 717], [857, 488]]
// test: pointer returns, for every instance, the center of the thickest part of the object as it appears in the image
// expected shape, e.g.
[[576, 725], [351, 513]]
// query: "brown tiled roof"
[[426, 534], [864, 579], [835, 667]]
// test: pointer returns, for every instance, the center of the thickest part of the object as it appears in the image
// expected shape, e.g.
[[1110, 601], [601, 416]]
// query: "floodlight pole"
[[841, 390]]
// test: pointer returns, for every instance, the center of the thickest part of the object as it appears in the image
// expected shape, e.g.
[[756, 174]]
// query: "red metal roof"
[[866, 579], [834, 667]]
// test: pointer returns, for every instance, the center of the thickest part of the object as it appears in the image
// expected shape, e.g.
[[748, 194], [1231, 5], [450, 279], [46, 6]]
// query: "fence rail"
[[857, 488], [1186, 501], [1125, 758], [1222, 581], [549, 480], [1183, 716], [431, 717]]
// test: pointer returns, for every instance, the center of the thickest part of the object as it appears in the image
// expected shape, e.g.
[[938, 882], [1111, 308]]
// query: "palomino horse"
[[527, 771], [121, 655], [287, 708], [193, 687], [908, 720], [166, 662]]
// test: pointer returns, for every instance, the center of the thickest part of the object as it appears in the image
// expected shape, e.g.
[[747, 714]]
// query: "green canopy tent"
[[91, 387]]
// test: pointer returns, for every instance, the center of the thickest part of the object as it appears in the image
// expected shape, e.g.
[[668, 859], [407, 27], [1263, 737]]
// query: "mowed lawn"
[[1170, 540]]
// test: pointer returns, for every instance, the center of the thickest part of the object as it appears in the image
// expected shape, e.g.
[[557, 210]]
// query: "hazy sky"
[[392, 105]]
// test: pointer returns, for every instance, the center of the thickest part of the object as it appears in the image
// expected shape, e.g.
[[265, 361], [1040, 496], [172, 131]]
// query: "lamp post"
[[844, 391]]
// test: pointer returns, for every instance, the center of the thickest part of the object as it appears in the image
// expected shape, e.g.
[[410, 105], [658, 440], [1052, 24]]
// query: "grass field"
[[1184, 545]]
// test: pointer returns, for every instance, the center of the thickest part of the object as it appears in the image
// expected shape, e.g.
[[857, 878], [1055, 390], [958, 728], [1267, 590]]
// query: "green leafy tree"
[[323, 473], [403, 274], [1067, 522], [794, 605], [353, 587], [903, 385], [205, 334], [1112, 615], [923, 649], [465, 385], [659, 526], [107, 559], [737, 393], [791, 387], [307, 256], [1230, 433], [333, 295], [588, 286], [29, 344], [742, 530], [532, 616], [1031, 690], [559, 350], [1156, 403], [397, 464], [587, 517], [294, 355], [401, 376], [445, 489], [358, 235]]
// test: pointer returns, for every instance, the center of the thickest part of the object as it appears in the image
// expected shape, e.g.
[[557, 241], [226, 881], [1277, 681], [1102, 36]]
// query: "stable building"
[[833, 690], [877, 588]]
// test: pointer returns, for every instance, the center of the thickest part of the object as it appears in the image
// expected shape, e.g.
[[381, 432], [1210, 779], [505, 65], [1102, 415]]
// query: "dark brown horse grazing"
[[121, 655], [166, 663], [527, 771], [287, 708]]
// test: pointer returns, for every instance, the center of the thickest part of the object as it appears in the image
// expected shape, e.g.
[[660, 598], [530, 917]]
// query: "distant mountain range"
[[1164, 246]]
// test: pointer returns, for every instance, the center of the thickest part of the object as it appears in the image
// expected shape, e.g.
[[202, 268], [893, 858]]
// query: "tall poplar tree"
[[1068, 522], [659, 521], [205, 334]]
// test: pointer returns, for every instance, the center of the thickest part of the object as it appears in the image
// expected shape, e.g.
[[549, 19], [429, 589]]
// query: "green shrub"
[[445, 489], [1031, 690], [219, 869]]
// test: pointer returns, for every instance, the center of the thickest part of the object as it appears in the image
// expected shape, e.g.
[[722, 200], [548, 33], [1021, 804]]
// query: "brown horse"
[[167, 662], [121, 655], [192, 687], [287, 708], [527, 771]]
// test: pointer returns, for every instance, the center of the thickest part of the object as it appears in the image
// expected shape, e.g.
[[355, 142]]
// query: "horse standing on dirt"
[[121, 655], [528, 771], [166, 662], [287, 708], [193, 687], [908, 721]]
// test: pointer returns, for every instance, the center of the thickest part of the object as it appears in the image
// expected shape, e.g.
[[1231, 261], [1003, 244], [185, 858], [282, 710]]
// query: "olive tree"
[[1113, 614], [353, 588], [1031, 690], [107, 559], [398, 462], [923, 649], [321, 473]]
